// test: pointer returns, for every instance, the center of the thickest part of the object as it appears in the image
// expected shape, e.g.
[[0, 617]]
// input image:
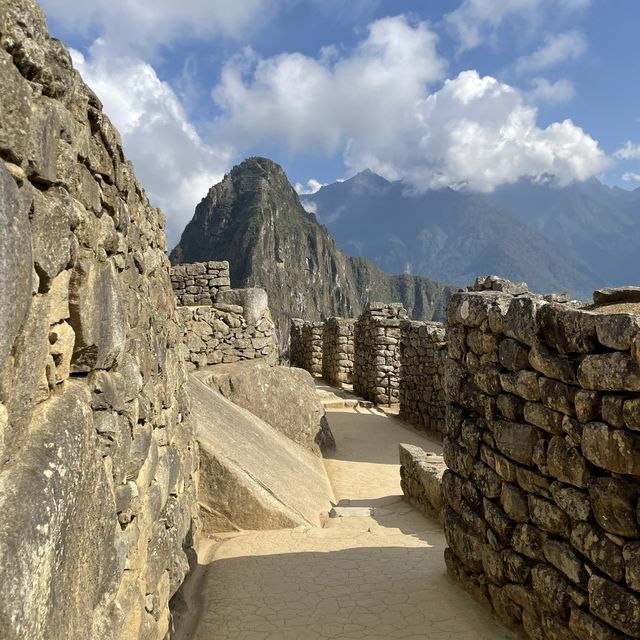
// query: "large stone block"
[[566, 329], [283, 397], [614, 502], [253, 301], [615, 605], [97, 315], [516, 440], [58, 526], [616, 450], [609, 372], [16, 264]]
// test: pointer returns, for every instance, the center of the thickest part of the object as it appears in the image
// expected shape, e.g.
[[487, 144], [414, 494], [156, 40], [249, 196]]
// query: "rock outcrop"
[[254, 219], [97, 456], [283, 397], [251, 475]]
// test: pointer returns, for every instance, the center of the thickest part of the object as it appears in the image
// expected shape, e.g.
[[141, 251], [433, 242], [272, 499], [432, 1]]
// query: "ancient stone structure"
[[198, 283], [337, 351], [296, 346], [543, 449], [221, 333], [421, 479], [97, 452], [305, 345], [376, 361], [423, 350]]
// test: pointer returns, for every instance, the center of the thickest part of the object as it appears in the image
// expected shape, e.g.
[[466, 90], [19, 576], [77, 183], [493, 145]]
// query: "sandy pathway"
[[370, 577]]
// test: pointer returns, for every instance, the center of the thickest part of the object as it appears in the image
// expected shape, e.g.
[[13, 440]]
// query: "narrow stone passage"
[[376, 574]]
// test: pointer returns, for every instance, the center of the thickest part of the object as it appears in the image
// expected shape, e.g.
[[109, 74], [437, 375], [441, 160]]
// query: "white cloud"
[[557, 48], [312, 186], [173, 163], [309, 207], [476, 22], [317, 105], [378, 107], [631, 177], [145, 25], [545, 92], [630, 151]]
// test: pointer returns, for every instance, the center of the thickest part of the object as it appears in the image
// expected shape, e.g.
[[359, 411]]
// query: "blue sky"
[[464, 93]]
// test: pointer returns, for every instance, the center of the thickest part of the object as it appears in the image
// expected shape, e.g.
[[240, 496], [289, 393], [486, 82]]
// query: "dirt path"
[[375, 573]]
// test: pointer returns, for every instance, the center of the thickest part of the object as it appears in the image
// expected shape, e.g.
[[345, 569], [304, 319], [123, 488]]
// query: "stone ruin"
[[198, 283], [543, 448], [98, 460], [423, 352], [296, 345], [338, 351], [307, 352], [376, 363], [226, 325]]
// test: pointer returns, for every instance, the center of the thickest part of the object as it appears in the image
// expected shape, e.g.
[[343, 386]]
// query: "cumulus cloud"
[[309, 207], [631, 177], [557, 48], [319, 104], [143, 26], [379, 107], [545, 92], [312, 186], [173, 163], [476, 22], [629, 151]]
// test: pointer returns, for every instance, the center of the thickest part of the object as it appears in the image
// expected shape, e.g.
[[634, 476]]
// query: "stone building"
[[338, 351], [423, 350], [376, 362], [198, 283]]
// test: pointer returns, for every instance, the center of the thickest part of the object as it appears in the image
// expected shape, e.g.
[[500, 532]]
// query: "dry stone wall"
[[543, 447], [222, 334], [337, 351], [97, 454], [305, 345], [376, 362], [296, 345], [198, 283], [421, 479], [423, 350]]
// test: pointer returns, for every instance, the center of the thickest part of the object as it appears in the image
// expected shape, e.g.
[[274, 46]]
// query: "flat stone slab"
[[614, 295], [252, 476]]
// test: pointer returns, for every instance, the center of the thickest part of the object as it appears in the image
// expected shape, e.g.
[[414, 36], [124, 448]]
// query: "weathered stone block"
[[609, 372], [614, 503], [566, 329], [616, 450], [615, 605], [548, 516], [516, 440], [566, 463], [592, 543]]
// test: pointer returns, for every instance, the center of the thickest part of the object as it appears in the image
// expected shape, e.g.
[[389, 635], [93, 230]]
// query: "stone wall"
[[198, 283], [423, 350], [296, 345], [337, 351], [221, 333], [376, 362], [97, 455], [421, 479], [543, 449], [305, 345]]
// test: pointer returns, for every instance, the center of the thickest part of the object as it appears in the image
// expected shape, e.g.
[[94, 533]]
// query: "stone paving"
[[374, 575]]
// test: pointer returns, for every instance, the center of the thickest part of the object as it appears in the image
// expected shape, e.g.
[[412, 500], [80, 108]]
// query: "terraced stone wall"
[[423, 350], [376, 362], [311, 348], [198, 283], [97, 454], [542, 493], [337, 351]]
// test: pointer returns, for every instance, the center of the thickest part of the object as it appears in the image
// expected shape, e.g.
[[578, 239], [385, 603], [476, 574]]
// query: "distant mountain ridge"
[[577, 238], [254, 219]]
